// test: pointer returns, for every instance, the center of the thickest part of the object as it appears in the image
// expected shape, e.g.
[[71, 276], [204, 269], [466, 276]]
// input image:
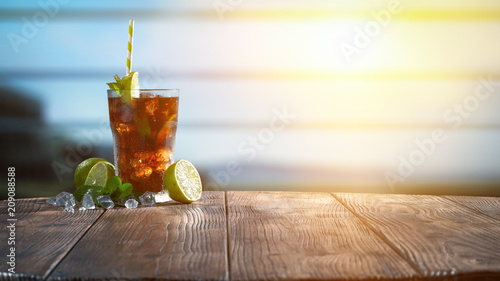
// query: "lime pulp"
[[183, 182]]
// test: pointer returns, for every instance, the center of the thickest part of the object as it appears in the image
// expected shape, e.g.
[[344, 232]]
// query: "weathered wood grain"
[[304, 236], [486, 205], [170, 241], [44, 234], [273, 235], [441, 238]]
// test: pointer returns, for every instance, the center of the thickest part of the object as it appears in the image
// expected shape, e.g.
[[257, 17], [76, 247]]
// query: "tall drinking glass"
[[143, 130]]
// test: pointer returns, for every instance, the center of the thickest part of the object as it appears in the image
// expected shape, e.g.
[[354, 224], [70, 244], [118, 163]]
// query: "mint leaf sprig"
[[114, 187]]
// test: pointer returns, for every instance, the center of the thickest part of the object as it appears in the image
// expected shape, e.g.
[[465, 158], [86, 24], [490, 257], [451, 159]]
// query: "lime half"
[[83, 170], [183, 182], [98, 175]]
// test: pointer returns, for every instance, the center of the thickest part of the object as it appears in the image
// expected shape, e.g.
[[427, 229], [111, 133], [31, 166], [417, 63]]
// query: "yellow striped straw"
[[129, 47]]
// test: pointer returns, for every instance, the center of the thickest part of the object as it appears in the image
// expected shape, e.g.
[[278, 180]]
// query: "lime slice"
[[83, 169], [130, 87], [131, 81], [98, 175], [126, 87], [183, 182]]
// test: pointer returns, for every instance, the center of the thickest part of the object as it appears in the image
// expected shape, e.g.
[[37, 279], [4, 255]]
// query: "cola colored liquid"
[[143, 139]]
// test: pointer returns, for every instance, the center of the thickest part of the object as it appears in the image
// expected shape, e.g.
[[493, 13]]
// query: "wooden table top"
[[260, 236]]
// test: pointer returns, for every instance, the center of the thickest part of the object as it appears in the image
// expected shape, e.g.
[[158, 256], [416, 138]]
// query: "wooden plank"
[[170, 241], [440, 237], [486, 205], [304, 236], [44, 234]]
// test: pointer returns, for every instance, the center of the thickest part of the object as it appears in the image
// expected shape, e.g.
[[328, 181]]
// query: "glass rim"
[[163, 92], [146, 90]]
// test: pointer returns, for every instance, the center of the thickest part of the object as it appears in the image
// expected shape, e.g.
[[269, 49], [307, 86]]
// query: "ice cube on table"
[[51, 200], [162, 196], [148, 198], [105, 201], [87, 201], [122, 201], [68, 208], [63, 199], [82, 208], [131, 203]]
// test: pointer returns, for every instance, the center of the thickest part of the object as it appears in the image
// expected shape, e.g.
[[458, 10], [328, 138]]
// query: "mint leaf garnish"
[[116, 189], [112, 184], [125, 190]]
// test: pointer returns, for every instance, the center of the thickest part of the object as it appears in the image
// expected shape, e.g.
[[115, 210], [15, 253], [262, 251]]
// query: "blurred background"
[[388, 96]]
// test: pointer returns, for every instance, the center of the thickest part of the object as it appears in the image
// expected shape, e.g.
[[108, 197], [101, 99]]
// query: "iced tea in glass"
[[144, 135]]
